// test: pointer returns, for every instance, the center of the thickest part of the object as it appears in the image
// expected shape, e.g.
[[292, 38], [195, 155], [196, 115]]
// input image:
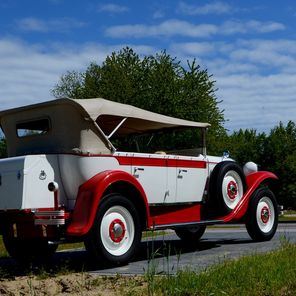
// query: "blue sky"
[[248, 46]]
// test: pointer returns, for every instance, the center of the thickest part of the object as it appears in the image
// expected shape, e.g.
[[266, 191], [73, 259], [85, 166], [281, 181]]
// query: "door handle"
[[135, 171], [180, 173]]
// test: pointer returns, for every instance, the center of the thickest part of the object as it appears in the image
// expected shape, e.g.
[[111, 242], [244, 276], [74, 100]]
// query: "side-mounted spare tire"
[[227, 186]]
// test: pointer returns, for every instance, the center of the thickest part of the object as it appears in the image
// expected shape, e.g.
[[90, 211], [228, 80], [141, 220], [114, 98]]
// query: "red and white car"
[[66, 179]]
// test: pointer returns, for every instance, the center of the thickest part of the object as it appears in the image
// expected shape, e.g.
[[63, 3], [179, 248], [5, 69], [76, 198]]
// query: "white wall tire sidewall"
[[232, 176], [266, 227], [122, 247]]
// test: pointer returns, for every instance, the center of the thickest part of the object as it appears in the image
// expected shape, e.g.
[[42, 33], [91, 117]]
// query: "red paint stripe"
[[163, 215], [160, 162], [151, 161]]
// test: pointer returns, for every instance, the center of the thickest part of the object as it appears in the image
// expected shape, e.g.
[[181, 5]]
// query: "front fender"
[[89, 196], [253, 182]]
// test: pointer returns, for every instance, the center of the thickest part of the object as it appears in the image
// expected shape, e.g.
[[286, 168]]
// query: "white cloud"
[[217, 7], [175, 27], [256, 79], [39, 25], [28, 72], [166, 28], [234, 27], [252, 97], [257, 101], [112, 8], [194, 49]]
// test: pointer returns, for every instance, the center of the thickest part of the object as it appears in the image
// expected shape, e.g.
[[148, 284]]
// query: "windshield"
[[133, 135]]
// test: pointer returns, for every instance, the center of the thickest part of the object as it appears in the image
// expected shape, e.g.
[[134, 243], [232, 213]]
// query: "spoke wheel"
[[116, 233], [262, 217]]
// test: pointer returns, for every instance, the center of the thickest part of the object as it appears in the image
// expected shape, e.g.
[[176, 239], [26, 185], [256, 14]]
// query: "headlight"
[[250, 167]]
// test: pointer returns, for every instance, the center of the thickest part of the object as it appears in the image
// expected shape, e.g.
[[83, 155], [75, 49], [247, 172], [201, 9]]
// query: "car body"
[[65, 179]]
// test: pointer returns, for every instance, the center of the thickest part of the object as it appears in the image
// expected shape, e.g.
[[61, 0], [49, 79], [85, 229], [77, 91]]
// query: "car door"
[[191, 177], [151, 171]]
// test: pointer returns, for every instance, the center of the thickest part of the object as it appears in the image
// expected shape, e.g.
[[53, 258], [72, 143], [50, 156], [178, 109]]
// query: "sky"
[[249, 48]]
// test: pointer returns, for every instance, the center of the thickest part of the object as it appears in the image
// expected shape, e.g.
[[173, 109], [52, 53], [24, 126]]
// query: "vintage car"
[[72, 175]]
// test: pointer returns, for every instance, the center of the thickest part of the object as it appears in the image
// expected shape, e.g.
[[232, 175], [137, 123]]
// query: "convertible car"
[[103, 172]]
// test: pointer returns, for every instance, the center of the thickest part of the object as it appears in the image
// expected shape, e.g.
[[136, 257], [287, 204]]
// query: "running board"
[[188, 224]]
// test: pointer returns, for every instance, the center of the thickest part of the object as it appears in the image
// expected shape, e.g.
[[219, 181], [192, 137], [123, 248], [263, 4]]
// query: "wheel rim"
[[265, 214], [232, 189], [117, 230]]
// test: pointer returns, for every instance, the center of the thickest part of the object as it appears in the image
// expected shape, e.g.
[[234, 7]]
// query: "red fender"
[[253, 181], [89, 196]]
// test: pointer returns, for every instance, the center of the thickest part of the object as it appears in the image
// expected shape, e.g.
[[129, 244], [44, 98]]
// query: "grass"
[[267, 274], [3, 253]]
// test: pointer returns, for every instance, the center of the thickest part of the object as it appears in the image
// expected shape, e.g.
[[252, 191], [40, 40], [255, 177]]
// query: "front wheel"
[[262, 216], [116, 233]]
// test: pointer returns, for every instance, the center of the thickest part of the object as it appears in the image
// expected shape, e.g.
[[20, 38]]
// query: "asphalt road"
[[168, 254], [216, 245]]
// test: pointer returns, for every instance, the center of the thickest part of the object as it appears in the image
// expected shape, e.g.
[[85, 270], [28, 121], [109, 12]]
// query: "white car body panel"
[[24, 182], [26, 178]]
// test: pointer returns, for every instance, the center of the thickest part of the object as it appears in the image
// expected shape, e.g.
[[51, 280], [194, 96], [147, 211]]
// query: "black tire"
[[262, 216], [116, 213], [191, 234], [29, 249], [226, 187]]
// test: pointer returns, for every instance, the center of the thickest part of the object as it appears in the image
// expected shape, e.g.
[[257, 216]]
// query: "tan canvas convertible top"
[[82, 126]]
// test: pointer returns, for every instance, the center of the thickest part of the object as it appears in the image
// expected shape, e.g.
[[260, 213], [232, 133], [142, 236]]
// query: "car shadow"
[[78, 260]]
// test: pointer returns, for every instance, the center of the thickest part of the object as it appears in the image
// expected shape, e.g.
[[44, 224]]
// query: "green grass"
[[3, 253], [267, 274], [284, 218]]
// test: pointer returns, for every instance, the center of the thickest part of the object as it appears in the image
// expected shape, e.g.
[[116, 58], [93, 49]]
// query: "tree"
[[280, 158], [157, 83], [246, 145]]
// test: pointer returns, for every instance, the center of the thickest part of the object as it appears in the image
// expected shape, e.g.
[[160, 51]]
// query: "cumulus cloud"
[[256, 79], [112, 8], [39, 25], [194, 49], [167, 28], [28, 72], [253, 97], [175, 27], [209, 8], [257, 101]]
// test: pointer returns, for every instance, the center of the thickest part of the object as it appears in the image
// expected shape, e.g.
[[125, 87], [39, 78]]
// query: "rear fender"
[[89, 196], [254, 180]]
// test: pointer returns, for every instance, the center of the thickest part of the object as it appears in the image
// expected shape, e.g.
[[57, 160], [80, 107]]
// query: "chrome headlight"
[[250, 167]]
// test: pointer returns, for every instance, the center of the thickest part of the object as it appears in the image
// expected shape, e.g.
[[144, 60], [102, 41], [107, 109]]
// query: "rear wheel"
[[116, 233], [191, 234], [262, 216]]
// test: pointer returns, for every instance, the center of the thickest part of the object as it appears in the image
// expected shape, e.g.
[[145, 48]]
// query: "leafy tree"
[[246, 145], [157, 83], [280, 158]]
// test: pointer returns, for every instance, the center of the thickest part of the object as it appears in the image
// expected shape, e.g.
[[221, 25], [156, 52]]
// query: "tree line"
[[160, 83]]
